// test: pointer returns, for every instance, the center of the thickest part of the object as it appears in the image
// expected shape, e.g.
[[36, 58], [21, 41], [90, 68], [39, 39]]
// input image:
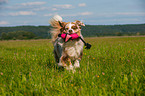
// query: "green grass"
[[113, 66]]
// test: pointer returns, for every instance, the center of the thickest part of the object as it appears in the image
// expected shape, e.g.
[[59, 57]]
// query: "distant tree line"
[[36, 32], [114, 30], [21, 35], [39, 32]]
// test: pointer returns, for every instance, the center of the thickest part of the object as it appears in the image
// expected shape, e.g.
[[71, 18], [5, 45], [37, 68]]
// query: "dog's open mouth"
[[67, 37]]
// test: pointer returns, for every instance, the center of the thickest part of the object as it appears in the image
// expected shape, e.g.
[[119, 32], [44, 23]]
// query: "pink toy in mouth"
[[71, 36]]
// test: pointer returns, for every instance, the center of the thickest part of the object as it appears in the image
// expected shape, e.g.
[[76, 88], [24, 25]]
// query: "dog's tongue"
[[67, 37]]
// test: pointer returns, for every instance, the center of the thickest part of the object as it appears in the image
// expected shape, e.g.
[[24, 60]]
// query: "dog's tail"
[[55, 22]]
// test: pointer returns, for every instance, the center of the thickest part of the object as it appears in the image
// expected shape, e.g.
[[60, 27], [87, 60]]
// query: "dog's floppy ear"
[[62, 25], [79, 23]]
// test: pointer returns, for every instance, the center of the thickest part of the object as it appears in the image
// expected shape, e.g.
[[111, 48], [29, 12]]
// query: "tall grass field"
[[114, 66]]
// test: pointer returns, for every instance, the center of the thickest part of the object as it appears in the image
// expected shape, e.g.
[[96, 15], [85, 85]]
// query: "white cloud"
[[3, 23], [40, 8], [51, 14], [122, 14], [126, 19], [54, 9], [131, 13], [111, 21], [85, 13], [24, 6], [22, 13], [70, 15], [82, 5], [32, 3], [65, 6]]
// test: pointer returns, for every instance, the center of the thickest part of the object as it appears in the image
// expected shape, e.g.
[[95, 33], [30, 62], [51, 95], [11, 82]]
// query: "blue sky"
[[92, 12]]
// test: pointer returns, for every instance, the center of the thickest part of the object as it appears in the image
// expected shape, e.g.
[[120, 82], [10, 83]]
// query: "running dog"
[[67, 54]]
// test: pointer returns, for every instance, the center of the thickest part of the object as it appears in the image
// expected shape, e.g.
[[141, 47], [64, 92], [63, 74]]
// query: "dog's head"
[[73, 27]]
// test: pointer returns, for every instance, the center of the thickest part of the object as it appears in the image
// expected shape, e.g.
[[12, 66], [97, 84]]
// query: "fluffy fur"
[[54, 22], [66, 52]]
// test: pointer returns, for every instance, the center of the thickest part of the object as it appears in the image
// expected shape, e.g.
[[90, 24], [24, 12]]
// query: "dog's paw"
[[77, 64], [70, 67], [60, 64]]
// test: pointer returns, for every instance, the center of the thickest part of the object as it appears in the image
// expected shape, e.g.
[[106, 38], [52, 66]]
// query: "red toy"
[[71, 36], [67, 37]]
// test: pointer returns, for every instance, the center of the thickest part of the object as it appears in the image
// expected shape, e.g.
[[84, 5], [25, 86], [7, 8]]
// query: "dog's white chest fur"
[[73, 48]]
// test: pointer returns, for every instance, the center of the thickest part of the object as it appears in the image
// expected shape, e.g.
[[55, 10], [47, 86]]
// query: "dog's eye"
[[66, 28]]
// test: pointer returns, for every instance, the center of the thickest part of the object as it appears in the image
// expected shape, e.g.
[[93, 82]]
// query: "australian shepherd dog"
[[67, 54]]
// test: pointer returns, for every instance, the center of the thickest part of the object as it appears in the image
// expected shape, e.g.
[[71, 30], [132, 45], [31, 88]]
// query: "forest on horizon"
[[42, 32]]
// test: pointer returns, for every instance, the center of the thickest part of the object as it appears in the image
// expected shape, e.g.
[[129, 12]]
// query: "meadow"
[[114, 66]]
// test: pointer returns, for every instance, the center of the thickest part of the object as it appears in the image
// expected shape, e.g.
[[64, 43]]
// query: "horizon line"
[[85, 24]]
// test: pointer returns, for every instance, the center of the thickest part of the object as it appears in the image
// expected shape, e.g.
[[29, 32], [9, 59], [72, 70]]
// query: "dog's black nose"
[[70, 30]]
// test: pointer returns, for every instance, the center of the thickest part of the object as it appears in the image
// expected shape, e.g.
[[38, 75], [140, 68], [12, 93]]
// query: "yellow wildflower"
[[72, 85]]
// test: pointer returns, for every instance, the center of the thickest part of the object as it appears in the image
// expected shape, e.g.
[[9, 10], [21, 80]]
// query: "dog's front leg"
[[62, 62], [65, 62], [70, 66], [77, 60], [77, 63]]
